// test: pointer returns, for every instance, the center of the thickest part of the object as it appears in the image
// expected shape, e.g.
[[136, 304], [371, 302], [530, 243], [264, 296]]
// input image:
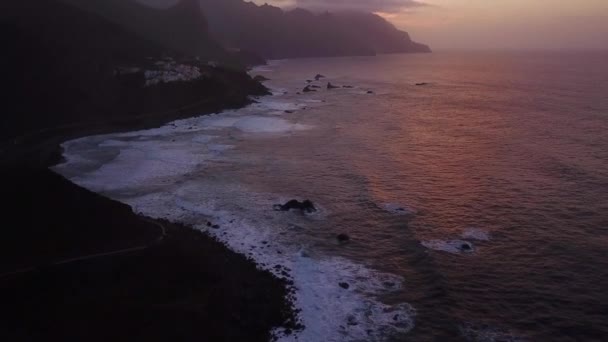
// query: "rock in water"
[[318, 77], [307, 89], [331, 86], [344, 285], [343, 237], [306, 206], [466, 247]]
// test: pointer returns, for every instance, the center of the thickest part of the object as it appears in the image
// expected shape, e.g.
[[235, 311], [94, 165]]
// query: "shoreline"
[[190, 279], [334, 297]]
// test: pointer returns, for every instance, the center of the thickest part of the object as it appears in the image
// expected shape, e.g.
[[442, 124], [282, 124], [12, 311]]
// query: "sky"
[[486, 24]]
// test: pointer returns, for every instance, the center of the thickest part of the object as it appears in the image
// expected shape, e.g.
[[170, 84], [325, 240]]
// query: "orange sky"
[[481, 24]]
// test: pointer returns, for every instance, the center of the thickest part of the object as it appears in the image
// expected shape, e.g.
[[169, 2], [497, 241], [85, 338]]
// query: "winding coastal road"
[[162, 236]]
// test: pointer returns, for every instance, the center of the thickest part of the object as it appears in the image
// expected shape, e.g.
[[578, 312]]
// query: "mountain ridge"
[[274, 33]]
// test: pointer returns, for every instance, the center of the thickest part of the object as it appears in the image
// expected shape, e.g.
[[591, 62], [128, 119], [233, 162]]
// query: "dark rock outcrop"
[[343, 237], [306, 206], [331, 86], [466, 247]]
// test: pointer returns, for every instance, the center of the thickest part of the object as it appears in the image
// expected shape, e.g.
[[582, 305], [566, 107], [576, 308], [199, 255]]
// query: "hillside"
[[64, 66], [181, 28]]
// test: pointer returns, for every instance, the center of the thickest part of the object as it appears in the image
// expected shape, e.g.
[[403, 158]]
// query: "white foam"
[[277, 105], [277, 91], [261, 68], [250, 226], [328, 311], [399, 209], [476, 234], [217, 148], [218, 121], [268, 125], [450, 246], [154, 173], [202, 139]]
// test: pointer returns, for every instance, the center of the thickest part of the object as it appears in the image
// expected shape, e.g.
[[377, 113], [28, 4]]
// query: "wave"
[[155, 172]]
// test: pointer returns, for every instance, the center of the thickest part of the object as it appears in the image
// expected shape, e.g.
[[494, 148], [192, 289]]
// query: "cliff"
[[181, 28]]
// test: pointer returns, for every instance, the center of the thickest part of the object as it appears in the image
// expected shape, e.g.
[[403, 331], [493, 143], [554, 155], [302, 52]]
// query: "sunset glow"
[[489, 24]]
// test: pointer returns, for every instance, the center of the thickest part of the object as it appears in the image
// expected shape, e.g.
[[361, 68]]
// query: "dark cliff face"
[[273, 33], [182, 28]]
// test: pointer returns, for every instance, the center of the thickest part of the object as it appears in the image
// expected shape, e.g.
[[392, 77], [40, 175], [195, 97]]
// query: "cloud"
[[386, 6]]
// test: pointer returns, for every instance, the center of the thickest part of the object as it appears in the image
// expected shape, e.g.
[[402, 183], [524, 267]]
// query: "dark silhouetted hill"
[[60, 66], [274, 33], [182, 27]]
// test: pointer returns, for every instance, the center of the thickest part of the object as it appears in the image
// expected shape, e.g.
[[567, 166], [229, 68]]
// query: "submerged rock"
[[344, 285], [421, 84], [466, 247], [305, 206], [331, 86], [343, 237], [370, 91], [318, 77], [308, 89]]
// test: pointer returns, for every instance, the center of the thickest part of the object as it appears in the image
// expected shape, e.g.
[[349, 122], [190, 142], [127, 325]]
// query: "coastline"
[[188, 286], [157, 172]]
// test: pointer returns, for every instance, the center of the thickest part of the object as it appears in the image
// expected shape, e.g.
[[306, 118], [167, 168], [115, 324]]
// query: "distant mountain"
[[273, 33]]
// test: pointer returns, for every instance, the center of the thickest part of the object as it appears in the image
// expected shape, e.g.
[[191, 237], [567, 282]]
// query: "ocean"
[[473, 187]]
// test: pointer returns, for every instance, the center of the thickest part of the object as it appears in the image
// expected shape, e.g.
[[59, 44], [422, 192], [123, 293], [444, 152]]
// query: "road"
[[163, 234]]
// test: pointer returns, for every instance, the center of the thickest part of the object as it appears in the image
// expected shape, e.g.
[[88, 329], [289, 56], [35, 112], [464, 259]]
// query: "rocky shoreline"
[[185, 286]]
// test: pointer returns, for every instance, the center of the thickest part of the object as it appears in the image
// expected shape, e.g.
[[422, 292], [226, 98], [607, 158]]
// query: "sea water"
[[476, 203]]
